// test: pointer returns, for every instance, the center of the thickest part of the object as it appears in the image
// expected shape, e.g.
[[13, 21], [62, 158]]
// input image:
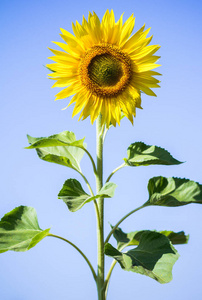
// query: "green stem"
[[110, 272], [91, 159], [122, 219], [105, 132], [100, 222], [118, 168], [86, 259], [109, 275], [86, 181], [92, 194]]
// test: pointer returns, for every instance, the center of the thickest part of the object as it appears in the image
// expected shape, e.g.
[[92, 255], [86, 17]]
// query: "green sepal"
[[49, 69], [140, 154], [75, 197], [62, 149], [153, 257], [132, 238], [19, 230], [173, 191]]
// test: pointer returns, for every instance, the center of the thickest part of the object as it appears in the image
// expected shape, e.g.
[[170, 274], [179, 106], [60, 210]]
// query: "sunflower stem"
[[100, 201]]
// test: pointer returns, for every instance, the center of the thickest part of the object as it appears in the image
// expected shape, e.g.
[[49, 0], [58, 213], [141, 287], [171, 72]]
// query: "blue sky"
[[53, 270]]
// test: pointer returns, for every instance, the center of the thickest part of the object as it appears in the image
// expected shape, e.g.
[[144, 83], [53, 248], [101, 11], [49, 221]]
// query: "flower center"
[[105, 70]]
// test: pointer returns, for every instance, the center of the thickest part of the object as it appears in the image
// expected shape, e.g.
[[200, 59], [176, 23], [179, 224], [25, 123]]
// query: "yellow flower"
[[105, 67]]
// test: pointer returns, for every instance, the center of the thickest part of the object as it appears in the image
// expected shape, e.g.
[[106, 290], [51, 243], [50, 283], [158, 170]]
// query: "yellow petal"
[[65, 55], [96, 108], [87, 109], [66, 60], [147, 67], [127, 29], [78, 30], [68, 49], [147, 59], [73, 100], [116, 111], [107, 26], [71, 39], [141, 44], [105, 111], [70, 90], [116, 32], [145, 51], [80, 103], [150, 73], [94, 28], [65, 82], [61, 75], [133, 39], [145, 89]]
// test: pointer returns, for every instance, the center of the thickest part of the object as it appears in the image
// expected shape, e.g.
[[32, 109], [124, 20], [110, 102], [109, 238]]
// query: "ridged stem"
[[100, 201]]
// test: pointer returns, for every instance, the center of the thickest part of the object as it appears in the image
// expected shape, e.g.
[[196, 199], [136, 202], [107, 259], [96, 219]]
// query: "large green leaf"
[[173, 191], [153, 257], [132, 238], [65, 138], [140, 154], [75, 197], [19, 230], [62, 148]]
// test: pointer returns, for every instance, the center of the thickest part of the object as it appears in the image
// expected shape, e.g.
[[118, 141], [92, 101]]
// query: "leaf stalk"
[[115, 170], [122, 219], [84, 256]]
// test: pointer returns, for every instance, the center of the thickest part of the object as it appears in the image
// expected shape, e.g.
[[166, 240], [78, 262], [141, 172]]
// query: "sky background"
[[53, 269]]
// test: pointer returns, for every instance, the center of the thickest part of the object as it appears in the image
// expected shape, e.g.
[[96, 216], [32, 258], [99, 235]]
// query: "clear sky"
[[53, 270]]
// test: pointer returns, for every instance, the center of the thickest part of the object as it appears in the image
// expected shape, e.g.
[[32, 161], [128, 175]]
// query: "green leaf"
[[19, 230], [176, 238], [65, 138], [132, 238], [62, 148], [107, 191], [173, 191], [140, 154], [153, 257], [75, 197]]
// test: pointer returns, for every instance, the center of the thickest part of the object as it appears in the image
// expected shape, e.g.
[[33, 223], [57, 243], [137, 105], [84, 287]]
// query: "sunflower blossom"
[[105, 68]]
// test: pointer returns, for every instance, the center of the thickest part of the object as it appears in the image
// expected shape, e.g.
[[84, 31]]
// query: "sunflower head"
[[105, 68]]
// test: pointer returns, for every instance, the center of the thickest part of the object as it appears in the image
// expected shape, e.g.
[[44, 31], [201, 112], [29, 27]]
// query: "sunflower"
[[105, 68]]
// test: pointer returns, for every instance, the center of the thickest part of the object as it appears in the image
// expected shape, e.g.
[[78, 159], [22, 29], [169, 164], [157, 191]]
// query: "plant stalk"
[[100, 221]]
